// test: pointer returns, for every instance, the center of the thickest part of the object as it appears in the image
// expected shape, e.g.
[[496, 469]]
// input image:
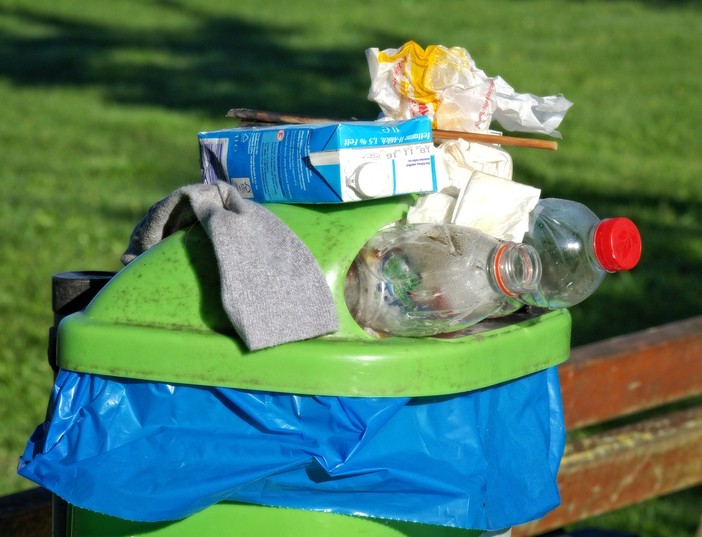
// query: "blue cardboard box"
[[322, 162]]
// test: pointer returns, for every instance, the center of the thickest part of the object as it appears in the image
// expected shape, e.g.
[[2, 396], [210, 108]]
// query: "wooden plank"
[[26, 514], [626, 374], [627, 465]]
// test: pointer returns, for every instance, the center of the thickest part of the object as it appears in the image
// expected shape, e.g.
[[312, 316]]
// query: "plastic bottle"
[[577, 250], [426, 279]]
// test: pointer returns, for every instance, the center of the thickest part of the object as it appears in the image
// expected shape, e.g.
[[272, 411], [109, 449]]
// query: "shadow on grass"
[[214, 64]]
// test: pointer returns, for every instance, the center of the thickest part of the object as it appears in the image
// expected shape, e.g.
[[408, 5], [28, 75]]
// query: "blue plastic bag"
[[150, 451]]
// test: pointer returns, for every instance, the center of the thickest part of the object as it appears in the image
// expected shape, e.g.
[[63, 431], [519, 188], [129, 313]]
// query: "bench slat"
[[630, 373], [626, 465]]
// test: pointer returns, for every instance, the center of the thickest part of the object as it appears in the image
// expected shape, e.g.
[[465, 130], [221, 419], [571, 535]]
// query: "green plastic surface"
[[160, 318], [234, 520]]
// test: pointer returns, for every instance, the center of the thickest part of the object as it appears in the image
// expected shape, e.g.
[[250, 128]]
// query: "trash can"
[[160, 322]]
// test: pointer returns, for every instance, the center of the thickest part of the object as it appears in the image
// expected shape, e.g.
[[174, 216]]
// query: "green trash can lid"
[[161, 319]]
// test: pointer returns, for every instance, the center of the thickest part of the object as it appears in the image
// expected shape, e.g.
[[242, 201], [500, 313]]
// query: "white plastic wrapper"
[[446, 85]]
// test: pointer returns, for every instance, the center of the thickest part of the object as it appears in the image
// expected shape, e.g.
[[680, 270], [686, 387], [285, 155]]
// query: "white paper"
[[497, 206], [435, 208], [461, 158], [456, 162]]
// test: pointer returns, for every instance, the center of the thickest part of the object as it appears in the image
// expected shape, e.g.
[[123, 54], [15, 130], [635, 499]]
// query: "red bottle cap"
[[617, 244]]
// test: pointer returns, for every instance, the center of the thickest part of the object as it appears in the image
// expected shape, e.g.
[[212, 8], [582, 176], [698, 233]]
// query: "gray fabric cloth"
[[272, 287]]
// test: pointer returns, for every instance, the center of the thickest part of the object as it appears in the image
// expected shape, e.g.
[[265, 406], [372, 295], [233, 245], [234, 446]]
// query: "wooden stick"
[[274, 118], [263, 116], [535, 143]]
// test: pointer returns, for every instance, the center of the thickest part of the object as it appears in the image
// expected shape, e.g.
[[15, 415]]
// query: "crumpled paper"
[[460, 158], [446, 85], [456, 160], [476, 190], [497, 206], [434, 208]]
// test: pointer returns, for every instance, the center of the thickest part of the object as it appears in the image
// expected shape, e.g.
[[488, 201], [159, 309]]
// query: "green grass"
[[100, 104]]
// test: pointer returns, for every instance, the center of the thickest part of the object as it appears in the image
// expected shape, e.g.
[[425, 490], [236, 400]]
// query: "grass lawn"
[[100, 104]]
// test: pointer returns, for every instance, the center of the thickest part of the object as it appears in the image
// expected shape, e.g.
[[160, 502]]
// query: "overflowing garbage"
[[425, 276], [473, 244]]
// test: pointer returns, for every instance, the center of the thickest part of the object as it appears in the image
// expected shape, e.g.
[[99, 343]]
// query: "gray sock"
[[272, 287]]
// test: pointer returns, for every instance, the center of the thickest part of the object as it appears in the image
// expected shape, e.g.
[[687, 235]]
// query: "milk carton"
[[322, 162]]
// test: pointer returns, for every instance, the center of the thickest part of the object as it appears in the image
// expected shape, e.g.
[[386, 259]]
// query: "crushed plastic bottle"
[[426, 279], [577, 250]]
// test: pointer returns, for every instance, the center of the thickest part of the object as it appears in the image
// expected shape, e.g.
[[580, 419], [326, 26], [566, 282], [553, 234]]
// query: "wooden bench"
[[646, 458], [600, 472]]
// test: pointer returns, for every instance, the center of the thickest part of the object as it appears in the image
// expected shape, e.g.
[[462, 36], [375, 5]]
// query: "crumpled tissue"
[[435, 208], [456, 161], [446, 85], [476, 190], [461, 158], [497, 206]]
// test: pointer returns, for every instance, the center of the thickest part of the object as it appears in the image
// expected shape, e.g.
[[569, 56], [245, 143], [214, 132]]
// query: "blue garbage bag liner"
[[150, 451]]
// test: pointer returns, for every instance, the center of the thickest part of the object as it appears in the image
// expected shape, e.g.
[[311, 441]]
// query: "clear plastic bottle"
[[426, 279], [577, 250]]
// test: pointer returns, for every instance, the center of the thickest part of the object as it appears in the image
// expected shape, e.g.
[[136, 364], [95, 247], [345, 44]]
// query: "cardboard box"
[[322, 163]]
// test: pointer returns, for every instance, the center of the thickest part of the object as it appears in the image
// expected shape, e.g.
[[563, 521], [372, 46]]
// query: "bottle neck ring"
[[498, 271], [517, 268]]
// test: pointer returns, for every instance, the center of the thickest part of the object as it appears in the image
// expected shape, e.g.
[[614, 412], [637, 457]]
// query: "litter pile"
[[473, 244], [433, 140]]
